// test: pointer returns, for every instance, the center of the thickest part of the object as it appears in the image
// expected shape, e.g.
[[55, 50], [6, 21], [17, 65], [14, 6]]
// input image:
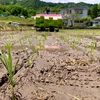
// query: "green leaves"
[[6, 59]]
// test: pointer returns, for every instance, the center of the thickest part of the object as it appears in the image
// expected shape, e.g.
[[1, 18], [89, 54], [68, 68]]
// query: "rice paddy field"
[[62, 65]]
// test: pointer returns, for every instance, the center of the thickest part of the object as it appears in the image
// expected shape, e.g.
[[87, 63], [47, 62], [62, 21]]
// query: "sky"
[[76, 1]]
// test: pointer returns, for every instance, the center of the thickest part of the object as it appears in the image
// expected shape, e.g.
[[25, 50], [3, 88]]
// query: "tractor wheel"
[[51, 29]]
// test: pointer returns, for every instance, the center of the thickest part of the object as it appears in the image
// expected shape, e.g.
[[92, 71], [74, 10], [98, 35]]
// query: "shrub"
[[46, 23], [81, 20], [59, 23]]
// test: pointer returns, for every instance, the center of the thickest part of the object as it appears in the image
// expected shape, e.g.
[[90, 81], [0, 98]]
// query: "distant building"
[[95, 21], [74, 12], [47, 16], [81, 10]]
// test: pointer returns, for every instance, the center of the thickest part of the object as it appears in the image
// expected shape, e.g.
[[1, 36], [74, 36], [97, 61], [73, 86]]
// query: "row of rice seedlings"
[[21, 42], [45, 35], [6, 59], [81, 32], [92, 47], [65, 38], [75, 41]]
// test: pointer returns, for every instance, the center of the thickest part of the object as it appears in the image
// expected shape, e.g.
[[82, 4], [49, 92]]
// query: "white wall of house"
[[63, 12], [73, 11], [73, 14], [85, 12]]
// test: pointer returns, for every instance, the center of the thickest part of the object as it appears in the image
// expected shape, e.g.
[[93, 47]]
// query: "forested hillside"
[[36, 4], [31, 7]]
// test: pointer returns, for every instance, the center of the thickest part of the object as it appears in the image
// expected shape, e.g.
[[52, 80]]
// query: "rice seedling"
[[77, 38], [6, 59], [31, 46], [85, 51], [45, 35], [21, 42], [62, 37], [29, 62], [35, 48], [73, 45], [67, 38], [40, 44], [92, 46]]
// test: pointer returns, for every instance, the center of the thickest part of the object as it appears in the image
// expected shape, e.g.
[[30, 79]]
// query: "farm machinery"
[[48, 22]]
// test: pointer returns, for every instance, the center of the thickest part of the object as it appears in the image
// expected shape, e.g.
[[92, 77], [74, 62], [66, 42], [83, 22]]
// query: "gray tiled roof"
[[76, 7]]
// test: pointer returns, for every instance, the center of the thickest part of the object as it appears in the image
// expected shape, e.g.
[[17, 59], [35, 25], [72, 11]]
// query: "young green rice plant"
[[29, 62], [62, 37], [92, 46], [45, 35], [40, 44], [31, 46], [67, 38], [6, 59], [73, 45], [77, 38], [35, 49], [21, 42], [85, 51], [75, 41]]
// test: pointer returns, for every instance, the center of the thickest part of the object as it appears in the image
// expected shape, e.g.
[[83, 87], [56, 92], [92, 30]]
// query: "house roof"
[[54, 16], [48, 15], [97, 18], [78, 7], [75, 7]]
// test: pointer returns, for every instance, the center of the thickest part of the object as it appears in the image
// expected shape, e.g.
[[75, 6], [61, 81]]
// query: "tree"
[[24, 12], [17, 10], [31, 12], [14, 2], [94, 11], [98, 9], [2, 8]]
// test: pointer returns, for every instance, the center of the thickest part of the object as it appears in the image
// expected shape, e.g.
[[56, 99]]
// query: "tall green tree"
[[14, 2], [94, 11], [99, 9]]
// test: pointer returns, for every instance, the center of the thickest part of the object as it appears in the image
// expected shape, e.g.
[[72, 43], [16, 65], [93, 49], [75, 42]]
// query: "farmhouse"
[[47, 14], [72, 13], [97, 19], [50, 15]]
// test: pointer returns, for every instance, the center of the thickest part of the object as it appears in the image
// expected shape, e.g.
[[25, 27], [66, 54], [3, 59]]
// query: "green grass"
[[17, 19], [81, 31]]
